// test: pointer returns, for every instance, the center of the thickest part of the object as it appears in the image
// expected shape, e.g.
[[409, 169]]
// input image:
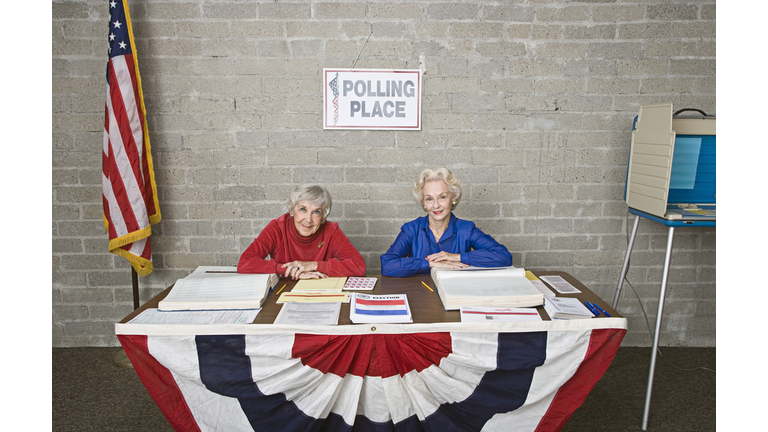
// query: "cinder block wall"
[[529, 102]]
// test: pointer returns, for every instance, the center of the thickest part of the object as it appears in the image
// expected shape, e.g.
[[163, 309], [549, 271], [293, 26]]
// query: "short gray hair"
[[312, 193], [441, 173]]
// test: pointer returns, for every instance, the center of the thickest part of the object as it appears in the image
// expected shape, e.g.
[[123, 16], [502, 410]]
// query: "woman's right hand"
[[448, 264], [295, 269], [312, 275], [445, 260]]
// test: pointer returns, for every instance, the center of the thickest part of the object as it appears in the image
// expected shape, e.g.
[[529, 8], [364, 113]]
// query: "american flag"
[[129, 192], [503, 377]]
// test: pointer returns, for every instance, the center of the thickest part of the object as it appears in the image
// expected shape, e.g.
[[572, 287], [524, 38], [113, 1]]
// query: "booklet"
[[566, 308], [490, 287], [309, 313], [390, 308], [217, 287]]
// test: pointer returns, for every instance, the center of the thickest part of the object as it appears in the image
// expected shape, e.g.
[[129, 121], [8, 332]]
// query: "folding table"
[[435, 374]]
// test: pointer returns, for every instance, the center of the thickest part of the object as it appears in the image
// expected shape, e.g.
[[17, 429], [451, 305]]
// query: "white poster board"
[[371, 99]]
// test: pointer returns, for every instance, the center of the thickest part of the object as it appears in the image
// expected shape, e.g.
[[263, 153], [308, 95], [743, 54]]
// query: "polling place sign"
[[371, 99]]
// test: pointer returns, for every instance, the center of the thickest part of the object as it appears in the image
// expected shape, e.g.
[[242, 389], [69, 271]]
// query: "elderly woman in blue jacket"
[[440, 239]]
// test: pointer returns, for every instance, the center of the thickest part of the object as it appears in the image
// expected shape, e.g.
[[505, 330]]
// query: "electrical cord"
[[647, 322]]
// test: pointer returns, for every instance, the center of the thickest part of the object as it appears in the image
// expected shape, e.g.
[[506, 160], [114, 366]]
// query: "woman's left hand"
[[446, 260], [295, 269]]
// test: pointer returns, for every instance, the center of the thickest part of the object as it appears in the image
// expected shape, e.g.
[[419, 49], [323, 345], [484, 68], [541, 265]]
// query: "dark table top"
[[425, 305]]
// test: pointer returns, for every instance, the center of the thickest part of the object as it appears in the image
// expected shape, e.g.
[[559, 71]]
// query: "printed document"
[[560, 285], [155, 316], [309, 313], [389, 308]]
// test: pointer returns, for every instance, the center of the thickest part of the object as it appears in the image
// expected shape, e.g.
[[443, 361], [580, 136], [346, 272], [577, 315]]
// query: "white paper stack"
[[488, 287], [217, 287], [390, 308], [566, 308]]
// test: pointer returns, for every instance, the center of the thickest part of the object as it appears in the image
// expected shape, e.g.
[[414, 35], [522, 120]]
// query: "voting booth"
[[671, 180], [671, 174]]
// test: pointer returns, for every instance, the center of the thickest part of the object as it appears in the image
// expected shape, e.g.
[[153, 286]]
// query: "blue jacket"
[[407, 254]]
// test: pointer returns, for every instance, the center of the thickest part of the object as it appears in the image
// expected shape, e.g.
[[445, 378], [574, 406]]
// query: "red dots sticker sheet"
[[360, 283]]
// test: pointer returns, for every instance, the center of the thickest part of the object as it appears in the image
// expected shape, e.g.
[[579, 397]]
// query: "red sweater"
[[332, 250]]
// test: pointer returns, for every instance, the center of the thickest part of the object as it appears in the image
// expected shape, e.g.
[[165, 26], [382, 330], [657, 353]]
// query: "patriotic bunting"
[[527, 380]]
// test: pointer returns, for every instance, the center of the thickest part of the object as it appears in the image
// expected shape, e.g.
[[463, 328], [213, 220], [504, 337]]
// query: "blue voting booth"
[[671, 180]]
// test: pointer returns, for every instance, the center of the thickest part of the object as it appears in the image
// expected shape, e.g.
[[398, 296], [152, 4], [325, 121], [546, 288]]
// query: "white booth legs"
[[662, 296], [659, 313]]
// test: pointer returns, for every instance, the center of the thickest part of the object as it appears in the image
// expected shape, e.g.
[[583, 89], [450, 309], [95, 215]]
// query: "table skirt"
[[376, 377]]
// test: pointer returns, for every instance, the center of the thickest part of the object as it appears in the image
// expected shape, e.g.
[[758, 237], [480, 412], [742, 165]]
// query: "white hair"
[[314, 194]]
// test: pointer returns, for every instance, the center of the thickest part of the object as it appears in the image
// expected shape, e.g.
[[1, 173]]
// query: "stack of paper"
[[326, 290], [392, 308], [539, 285], [566, 308], [298, 313], [489, 287], [212, 288]]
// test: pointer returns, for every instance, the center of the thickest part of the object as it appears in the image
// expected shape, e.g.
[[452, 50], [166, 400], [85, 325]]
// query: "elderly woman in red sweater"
[[301, 243]]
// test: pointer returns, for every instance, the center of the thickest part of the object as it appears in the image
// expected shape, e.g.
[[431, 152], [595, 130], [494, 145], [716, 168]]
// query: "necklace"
[[437, 233], [438, 228]]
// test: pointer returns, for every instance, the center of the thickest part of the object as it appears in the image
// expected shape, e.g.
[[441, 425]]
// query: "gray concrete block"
[[452, 11]]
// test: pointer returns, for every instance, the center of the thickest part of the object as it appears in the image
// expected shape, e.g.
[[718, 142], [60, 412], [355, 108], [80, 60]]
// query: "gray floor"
[[91, 394]]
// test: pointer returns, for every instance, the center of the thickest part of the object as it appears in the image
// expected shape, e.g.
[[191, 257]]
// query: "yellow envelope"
[[327, 284]]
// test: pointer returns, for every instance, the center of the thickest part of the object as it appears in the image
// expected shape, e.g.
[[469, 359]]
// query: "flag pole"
[[121, 359], [135, 280]]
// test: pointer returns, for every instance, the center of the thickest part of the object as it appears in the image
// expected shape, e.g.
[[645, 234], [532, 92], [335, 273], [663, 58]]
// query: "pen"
[[422, 282], [601, 309], [591, 308], [281, 288]]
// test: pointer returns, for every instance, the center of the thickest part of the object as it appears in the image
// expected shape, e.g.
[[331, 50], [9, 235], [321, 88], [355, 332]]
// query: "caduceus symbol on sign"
[[334, 84]]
